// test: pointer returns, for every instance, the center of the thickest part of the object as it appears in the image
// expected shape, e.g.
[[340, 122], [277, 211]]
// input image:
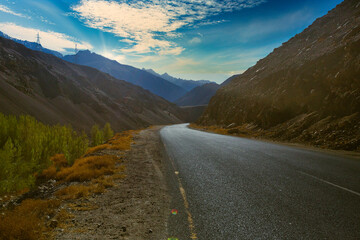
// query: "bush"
[[27, 220], [26, 146], [98, 136], [108, 132]]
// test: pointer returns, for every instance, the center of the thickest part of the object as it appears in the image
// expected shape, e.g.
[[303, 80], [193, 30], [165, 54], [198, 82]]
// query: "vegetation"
[[121, 141], [27, 147], [27, 221], [98, 136], [93, 174]]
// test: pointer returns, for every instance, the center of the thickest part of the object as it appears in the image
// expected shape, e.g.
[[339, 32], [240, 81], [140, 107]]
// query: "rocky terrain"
[[56, 91], [307, 90]]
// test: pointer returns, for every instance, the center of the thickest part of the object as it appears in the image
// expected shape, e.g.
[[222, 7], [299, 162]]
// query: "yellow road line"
[[186, 204]]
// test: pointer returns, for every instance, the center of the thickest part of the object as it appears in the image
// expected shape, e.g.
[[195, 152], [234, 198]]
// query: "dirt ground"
[[137, 207]]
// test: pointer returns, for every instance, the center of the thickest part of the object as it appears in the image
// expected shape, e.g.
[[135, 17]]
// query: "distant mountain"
[[56, 91], [307, 90], [136, 76], [188, 85], [198, 96], [32, 45]]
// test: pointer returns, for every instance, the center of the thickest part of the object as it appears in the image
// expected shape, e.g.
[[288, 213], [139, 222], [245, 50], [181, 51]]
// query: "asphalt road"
[[237, 188]]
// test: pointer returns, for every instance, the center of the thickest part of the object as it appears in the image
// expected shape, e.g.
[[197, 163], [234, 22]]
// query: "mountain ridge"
[[188, 85], [32, 45], [198, 96], [59, 92], [154, 84], [300, 90]]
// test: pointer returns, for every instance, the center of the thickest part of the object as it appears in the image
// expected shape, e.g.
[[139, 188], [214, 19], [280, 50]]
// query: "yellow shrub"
[[27, 221], [79, 191], [88, 168]]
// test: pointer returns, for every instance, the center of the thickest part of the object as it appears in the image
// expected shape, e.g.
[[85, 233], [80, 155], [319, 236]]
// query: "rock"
[[53, 223], [231, 125], [124, 229], [150, 230]]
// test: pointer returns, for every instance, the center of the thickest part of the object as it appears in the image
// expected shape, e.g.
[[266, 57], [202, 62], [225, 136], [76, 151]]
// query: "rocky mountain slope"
[[32, 45], [136, 76], [56, 91], [198, 96], [188, 85], [307, 90]]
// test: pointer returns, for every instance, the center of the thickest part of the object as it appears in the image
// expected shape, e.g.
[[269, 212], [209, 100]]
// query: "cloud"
[[111, 55], [5, 9], [52, 40], [147, 25], [195, 40]]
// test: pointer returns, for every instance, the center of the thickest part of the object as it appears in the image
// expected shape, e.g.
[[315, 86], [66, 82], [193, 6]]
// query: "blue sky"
[[192, 39]]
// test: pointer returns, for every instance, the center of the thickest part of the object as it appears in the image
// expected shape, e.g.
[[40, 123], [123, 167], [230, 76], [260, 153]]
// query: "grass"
[[79, 191], [121, 141], [214, 129], [27, 221]]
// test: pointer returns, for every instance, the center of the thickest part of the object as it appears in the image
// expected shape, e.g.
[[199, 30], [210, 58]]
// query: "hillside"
[[32, 45], [136, 76], [56, 91], [307, 90], [188, 85], [198, 96]]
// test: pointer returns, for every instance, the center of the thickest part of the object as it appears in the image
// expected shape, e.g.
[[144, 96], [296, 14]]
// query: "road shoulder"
[[137, 207]]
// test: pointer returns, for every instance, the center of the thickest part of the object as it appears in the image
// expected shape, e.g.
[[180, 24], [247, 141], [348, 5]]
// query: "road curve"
[[238, 188]]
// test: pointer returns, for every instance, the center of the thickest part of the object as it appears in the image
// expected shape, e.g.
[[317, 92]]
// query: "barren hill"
[[307, 90], [56, 91], [200, 95]]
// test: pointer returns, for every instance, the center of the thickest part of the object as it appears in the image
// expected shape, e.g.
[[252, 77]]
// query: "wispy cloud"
[[265, 27], [147, 25], [52, 40], [5, 9]]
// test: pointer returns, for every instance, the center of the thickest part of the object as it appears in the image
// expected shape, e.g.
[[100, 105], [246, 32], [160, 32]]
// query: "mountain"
[[136, 76], [32, 45], [307, 90], [56, 91], [198, 96], [188, 85]]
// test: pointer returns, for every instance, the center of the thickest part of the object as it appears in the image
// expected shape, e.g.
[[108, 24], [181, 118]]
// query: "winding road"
[[237, 188]]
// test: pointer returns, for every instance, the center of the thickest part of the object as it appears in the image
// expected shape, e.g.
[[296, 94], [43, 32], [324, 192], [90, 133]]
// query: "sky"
[[191, 39]]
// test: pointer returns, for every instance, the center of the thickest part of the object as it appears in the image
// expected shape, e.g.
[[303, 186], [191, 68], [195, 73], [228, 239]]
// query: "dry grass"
[[214, 129], [27, 221], [121, 141], [64, 218], [88, 168], [79, 191]]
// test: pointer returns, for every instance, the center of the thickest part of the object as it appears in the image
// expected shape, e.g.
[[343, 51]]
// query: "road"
[[237, 188]]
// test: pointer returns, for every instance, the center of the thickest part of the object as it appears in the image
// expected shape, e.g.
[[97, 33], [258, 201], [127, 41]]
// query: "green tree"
[[97, 136], [107, 131]]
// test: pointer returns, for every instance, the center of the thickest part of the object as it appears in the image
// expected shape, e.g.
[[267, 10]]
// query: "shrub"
[[107, 132], [27, 221], [97, 136], [88, 168], [26, 146]]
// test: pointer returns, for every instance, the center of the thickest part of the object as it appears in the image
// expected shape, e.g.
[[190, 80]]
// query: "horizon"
[[194, 40]]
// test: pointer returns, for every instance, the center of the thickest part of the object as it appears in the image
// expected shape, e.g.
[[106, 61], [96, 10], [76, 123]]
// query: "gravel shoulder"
[[137, 207]]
